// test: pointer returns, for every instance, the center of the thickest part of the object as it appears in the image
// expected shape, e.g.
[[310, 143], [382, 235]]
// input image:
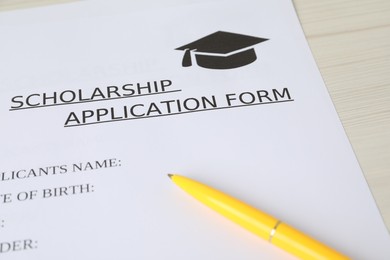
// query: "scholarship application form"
[[100, 100]]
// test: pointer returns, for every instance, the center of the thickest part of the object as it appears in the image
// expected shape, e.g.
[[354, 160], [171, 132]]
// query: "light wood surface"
[[350, 40]]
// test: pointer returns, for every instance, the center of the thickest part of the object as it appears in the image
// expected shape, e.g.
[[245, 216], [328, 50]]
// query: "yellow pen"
[[258, 222]]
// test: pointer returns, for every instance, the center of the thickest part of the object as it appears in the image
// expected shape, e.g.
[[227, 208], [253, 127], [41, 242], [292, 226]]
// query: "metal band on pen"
[[273, 231]]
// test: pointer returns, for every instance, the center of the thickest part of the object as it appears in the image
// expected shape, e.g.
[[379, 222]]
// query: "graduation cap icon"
[[221, 50]]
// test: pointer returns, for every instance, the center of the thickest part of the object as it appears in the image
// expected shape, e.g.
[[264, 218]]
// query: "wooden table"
[[350, 41]]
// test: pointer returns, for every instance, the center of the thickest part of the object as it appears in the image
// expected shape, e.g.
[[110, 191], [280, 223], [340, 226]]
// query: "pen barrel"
[[301, 245], [237, 211], [258, 222]]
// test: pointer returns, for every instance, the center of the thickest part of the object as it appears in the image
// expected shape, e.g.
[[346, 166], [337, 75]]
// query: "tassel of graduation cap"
[[187, 59]]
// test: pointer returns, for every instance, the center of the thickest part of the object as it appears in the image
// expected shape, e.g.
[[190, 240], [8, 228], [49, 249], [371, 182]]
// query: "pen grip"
[[301, 245]]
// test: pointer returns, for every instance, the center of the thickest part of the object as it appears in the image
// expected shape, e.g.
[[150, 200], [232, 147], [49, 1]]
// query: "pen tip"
[[170, 175]]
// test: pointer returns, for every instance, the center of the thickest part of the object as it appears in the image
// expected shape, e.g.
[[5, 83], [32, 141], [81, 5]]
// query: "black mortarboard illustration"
[[221, 50]]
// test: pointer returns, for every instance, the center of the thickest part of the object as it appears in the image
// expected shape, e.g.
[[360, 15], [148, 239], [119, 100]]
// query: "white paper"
[[290, 158]]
